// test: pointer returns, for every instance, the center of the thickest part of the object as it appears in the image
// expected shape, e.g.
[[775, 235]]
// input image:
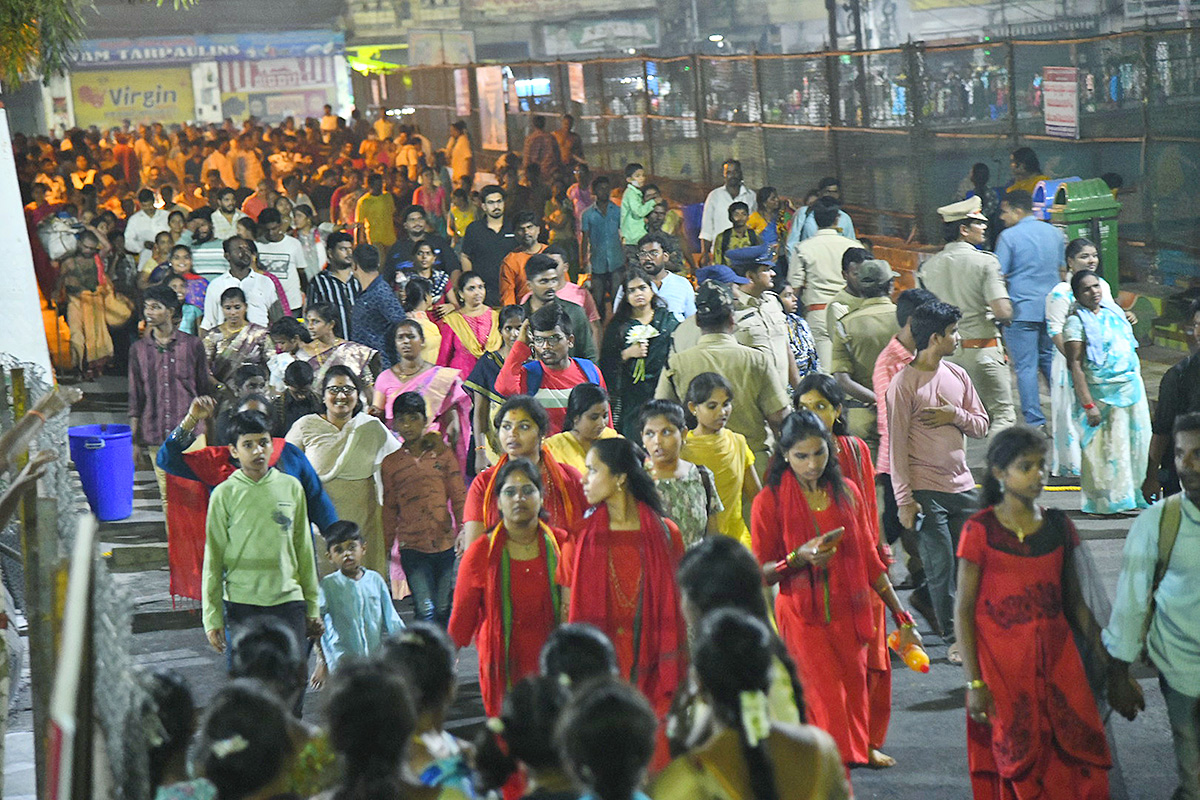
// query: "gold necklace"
[[623, 599], [818, 500], [405, 375], [1020, 532]]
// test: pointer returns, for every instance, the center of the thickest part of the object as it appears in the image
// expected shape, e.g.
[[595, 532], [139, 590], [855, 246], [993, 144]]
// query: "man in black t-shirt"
[[487, 241], [414, 228], [1178, 394]]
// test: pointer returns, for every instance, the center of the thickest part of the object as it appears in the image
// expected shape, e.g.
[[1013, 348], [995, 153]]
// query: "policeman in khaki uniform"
[[757, 312], [970, 279], [860, 332]]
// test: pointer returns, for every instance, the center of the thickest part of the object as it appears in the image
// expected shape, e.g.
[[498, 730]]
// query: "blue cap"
[[719, 273], [744, 257]]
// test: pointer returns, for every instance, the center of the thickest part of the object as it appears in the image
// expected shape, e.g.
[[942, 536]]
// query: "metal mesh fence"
[[900, 127]]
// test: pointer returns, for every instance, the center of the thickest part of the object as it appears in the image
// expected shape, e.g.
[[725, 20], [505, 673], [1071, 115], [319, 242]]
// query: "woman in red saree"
[[821, 394], [1032, 721], [511, 587], [824, 608], [624, 575], [521, 425]]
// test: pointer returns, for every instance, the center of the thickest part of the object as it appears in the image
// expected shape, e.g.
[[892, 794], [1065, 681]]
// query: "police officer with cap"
[[969, 278], [758, 313]]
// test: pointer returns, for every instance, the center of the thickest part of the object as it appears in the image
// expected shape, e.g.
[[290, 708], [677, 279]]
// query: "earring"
[[1001, 487]]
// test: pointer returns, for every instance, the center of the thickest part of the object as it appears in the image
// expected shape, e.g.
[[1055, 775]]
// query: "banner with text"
[[493, 126], [109, 97], [224, 47], [1060, 101]]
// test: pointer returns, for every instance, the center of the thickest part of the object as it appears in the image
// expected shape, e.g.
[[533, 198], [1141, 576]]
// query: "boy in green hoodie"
[[258, 552], [635, 207]]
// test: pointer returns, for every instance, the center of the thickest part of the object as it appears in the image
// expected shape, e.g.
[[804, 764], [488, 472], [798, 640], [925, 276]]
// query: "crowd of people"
[[656, 485]]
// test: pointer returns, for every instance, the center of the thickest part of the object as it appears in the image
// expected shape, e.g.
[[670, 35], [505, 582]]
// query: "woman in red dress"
[[1032, 721], [521, 426], [511, 587], [824, 606], [625, 561], [821, 394]]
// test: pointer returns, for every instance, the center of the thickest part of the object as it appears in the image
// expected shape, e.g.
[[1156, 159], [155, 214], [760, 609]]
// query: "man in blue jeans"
[[1031, 253]]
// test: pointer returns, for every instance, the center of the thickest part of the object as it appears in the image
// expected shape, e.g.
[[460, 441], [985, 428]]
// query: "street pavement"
[[928, 728]]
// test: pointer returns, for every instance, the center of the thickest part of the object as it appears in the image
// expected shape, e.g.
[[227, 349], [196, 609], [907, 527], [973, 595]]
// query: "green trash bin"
[[1088, 209]]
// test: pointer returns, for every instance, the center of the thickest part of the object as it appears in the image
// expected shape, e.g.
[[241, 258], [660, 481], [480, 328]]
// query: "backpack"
[[534, 372], [1168, 531]]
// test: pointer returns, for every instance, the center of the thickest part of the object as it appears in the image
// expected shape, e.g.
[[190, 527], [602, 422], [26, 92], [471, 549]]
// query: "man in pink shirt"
[[931, 405], [898, 353]]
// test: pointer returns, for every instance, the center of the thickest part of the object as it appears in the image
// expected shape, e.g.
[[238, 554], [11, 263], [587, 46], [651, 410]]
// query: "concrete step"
[[136, 557]]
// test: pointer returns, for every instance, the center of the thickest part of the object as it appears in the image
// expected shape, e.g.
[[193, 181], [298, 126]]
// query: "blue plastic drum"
[[103, 456]]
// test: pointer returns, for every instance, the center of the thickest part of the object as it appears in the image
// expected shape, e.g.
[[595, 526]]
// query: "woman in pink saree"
[[447, 404]]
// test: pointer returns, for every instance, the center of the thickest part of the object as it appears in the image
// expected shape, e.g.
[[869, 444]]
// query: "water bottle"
[[912, 655]]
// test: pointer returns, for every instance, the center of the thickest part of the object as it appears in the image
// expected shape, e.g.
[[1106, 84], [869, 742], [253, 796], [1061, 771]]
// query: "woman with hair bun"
[[520, 741], [748, 755]]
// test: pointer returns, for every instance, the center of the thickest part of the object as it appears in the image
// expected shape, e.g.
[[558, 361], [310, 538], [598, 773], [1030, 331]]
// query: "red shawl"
[[782, 521], [187, 513], [660, 663], [498, 665], [562, 496]]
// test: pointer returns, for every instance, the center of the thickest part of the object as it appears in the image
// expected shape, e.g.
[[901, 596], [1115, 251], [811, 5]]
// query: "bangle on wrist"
[[976, 684], [33, 412], [1088, 406], [903, 619]]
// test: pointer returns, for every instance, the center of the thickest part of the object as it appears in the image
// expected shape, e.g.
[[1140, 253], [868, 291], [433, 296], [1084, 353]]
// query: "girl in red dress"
[[521, 426], [511, 587], [1032, 721], [625, 572], [821, 394], [825, 581]]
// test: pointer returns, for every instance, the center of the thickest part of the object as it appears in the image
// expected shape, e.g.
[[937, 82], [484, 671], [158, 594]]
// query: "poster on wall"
[[493, 125], [462, 93], [110, 97], [272, 107], [575, 81], [277, 74], [1060, 101]]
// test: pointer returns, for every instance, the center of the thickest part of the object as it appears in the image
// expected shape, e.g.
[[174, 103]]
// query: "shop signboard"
[[109, 97]]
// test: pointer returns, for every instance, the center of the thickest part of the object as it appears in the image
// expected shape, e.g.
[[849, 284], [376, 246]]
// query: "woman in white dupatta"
[[346, 446]]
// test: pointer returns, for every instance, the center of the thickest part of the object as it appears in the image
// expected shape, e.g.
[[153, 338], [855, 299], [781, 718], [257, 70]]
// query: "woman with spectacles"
[[511, 590], [346, 446], [521, 427]]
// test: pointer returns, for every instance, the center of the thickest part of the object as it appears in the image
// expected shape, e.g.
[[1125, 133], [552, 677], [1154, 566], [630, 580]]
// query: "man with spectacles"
[[969, 278], [540, 362]]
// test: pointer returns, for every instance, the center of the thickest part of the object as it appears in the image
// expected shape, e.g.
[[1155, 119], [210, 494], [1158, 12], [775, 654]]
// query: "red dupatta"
[[564, 505], [187, 513], [846, 581], [501, 614], [660, 635]]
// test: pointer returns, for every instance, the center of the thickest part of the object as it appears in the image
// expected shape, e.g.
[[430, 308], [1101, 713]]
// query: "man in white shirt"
[[715, 219], [262, 302], [281, 255], [815, 271], [217, 157], [225, 218], [144, 224], [329, 123]]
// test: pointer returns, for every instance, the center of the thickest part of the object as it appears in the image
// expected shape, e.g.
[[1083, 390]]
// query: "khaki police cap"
[[964, 209]]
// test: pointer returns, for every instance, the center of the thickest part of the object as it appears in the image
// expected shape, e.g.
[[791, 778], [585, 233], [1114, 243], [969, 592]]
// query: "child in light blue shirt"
[[355, 602]]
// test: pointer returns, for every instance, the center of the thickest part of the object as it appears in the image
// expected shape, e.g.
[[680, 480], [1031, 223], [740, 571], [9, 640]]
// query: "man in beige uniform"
[[970, 279], [760, 399], [859, 336], [816, 271], [757, 312]]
